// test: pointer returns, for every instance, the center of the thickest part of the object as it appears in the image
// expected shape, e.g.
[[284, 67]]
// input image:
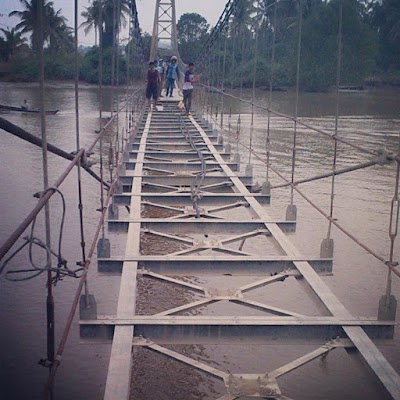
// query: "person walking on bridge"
[[159, 66], [172, 74], [153, 80], [188, 88]]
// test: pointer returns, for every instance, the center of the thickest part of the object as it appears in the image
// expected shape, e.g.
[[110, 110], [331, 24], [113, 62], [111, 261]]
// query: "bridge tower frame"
[[165, 27]]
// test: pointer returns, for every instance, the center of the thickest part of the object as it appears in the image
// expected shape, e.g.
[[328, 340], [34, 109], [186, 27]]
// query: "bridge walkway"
[[179, 166]]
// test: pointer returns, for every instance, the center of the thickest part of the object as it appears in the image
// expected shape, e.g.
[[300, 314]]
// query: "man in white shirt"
[[187, 88]]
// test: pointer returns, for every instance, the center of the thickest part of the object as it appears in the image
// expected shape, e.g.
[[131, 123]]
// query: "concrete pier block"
[[87, 307], [125, 156], [266, 188], [249, 170], [327, 247], [291, 212], [387, 309], [236, 160], [118, 187], [228, 148], [103, 248], [122, 169], [113, 211]]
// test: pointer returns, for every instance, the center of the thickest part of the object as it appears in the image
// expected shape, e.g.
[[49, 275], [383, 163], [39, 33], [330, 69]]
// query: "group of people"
[[164, 74]]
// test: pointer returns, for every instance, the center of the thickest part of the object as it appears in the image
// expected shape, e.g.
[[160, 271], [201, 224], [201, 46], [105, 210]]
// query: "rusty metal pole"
[[50, 299]]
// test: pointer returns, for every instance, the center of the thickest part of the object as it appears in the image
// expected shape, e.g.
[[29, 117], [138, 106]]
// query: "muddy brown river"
[[362, 205]]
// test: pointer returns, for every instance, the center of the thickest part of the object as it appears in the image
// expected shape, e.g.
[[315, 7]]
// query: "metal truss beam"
[[214, 264], [227, 330], [185, 198]]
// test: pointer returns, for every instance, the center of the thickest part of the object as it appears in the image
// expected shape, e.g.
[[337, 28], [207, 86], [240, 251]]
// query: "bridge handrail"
[[390, 157], [46, 197]]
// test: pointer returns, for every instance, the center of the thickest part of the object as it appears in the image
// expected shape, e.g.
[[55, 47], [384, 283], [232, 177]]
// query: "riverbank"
[[385, 80], [380, 81]]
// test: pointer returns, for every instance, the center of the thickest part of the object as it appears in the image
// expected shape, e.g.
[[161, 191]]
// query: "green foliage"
[[319, 45], [385, 18], [60, 66], [89, 71], [13, 42], [56, 33], [192, 34], [107, 14], [4, 54], [191, 27], [57, 67], [24, 69], [370, 43]]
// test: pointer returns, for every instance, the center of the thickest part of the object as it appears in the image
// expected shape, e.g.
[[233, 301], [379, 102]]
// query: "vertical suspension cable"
[[233, 65], [129, 53], [223, 79], [219, 78], [239, 120], [253, 95], [80, 201], [100, 111], [127, 83], [242, 59], [271, 78], [338, 73], [296, 109], [117, 151], [50, 300], [112, 148], [114, 16]]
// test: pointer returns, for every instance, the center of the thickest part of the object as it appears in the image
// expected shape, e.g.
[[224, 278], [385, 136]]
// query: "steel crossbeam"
[[168, 166], [181, 180], [185, 198], [165, 328], [215, 264]]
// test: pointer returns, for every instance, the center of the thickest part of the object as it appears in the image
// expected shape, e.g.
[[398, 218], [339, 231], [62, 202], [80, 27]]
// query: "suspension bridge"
[[179, 181]]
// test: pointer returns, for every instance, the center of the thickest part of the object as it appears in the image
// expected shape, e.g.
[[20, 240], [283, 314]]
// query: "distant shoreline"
[[376, 82]]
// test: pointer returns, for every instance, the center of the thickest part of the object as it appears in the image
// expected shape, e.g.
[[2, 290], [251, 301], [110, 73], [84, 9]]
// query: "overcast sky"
[[210, 9]]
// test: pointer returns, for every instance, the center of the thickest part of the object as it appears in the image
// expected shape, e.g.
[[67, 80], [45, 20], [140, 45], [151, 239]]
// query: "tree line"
[[370, 42]]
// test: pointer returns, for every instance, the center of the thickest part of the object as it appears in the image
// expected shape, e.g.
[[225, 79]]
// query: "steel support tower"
[[164, 30]]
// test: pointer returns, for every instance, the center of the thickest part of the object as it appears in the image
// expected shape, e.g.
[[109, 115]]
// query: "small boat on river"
[[27, 110]]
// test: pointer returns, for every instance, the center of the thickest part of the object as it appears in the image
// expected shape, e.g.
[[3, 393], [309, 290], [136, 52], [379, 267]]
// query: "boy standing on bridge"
[[188, 88], [172, 73], [153, 80]]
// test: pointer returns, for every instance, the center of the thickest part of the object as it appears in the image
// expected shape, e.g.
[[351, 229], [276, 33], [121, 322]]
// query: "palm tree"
[[29, 20], [60, 35], [101, 13], [92, 16], [13, 41], [54, 23], [3, 49]]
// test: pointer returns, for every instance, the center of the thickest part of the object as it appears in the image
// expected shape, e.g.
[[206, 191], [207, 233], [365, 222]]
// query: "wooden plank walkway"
[[161, 168]]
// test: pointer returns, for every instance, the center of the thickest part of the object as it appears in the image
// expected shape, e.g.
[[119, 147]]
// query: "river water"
[[362, 205]]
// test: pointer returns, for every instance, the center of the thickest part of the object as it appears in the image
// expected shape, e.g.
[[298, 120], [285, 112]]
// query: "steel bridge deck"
[[160, 167]]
